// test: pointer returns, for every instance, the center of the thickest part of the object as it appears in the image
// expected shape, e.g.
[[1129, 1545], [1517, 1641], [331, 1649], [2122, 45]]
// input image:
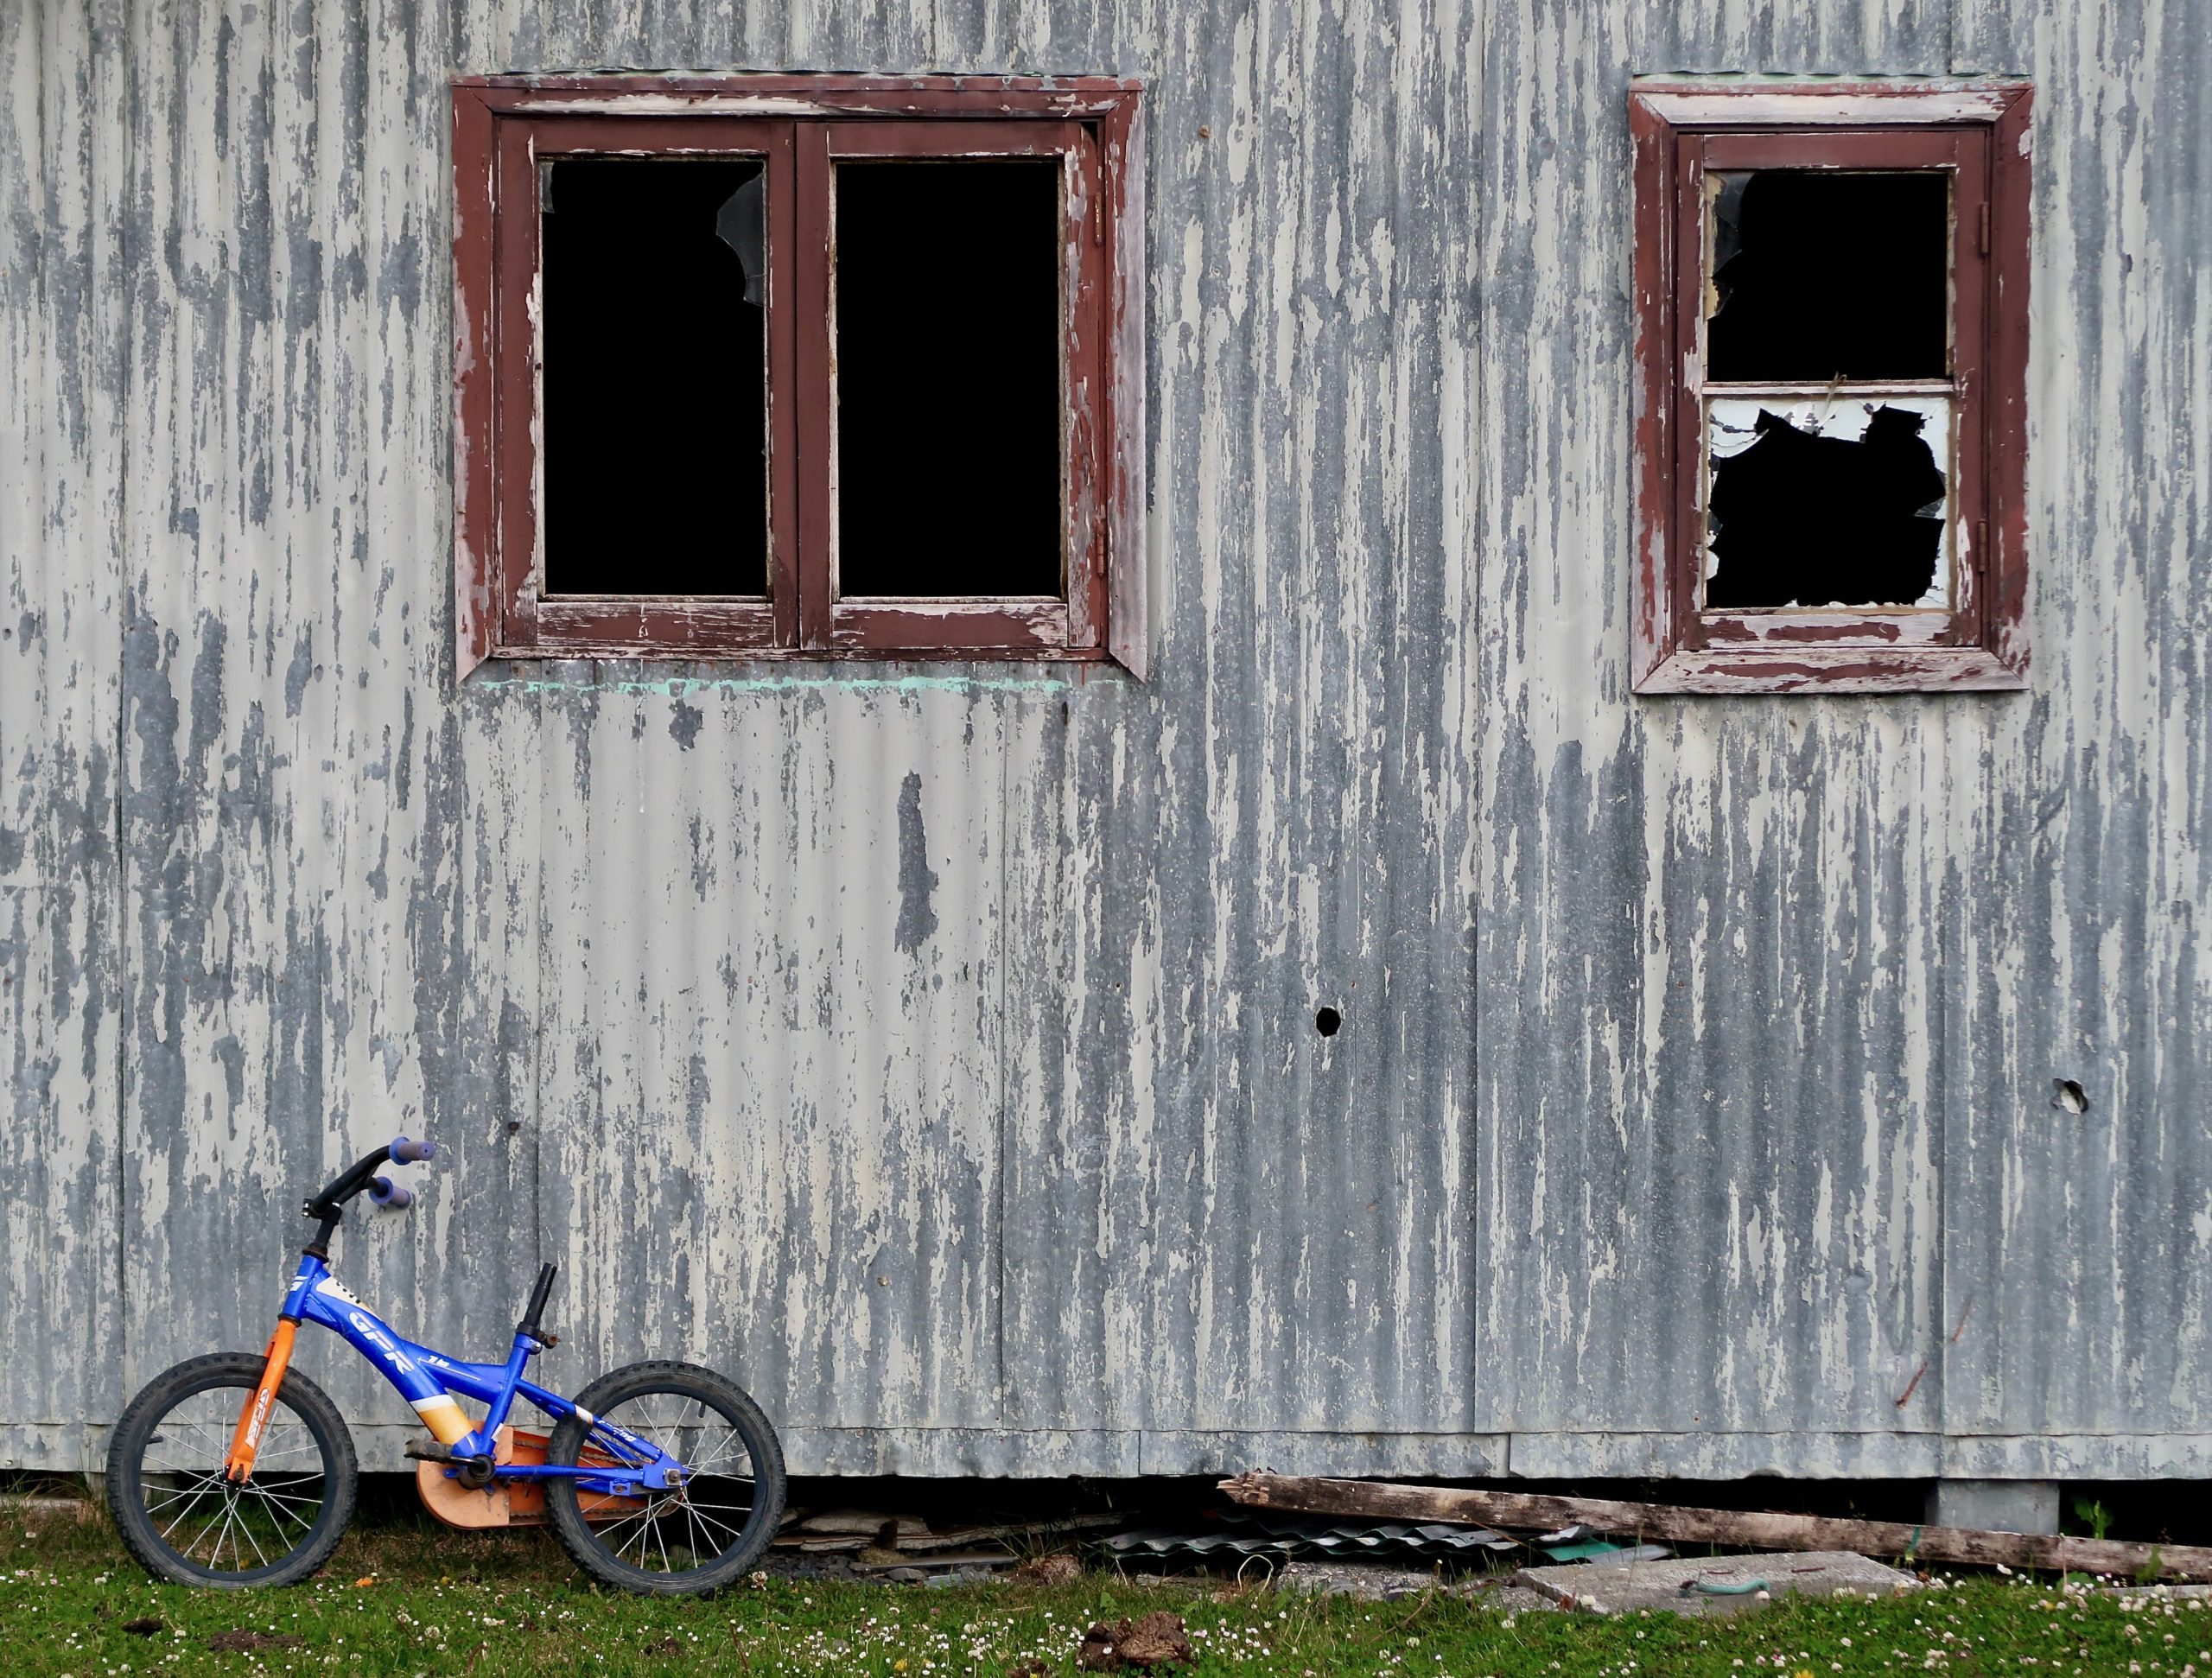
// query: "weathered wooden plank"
[[1749, 1529]]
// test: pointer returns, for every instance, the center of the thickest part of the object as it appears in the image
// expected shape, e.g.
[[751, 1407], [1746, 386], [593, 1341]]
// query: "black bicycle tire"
[[240, 1370], [751, 1424]]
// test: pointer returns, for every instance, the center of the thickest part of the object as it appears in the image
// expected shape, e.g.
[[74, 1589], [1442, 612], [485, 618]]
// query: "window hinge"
[[1985, 229], [1098, 219]]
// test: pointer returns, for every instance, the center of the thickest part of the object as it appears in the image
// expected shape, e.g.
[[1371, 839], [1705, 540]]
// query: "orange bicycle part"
[[512, 1503], [246, 1440]]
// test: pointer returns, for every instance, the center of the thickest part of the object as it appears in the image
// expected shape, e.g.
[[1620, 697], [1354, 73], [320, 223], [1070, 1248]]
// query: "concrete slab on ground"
[[1711, 1585], [1370, 1581], [1378, 1581]]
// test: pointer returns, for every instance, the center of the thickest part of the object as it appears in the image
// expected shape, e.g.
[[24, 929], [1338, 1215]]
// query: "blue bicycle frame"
[[429, 1380]]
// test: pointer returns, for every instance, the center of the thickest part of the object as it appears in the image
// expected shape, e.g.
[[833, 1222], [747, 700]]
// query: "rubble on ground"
[[1151, 1640]]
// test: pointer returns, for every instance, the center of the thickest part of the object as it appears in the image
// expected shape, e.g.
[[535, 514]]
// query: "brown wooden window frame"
[[1979, 131], [799, 125]]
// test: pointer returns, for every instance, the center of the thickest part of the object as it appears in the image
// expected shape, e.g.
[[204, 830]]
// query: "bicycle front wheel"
[[698, 1537], [185, 1522]]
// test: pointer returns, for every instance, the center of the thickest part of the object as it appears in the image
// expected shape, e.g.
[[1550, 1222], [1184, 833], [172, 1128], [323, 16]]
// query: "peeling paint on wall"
[[917, 880]]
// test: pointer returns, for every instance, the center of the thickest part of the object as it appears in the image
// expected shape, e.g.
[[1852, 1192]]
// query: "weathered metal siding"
[[934, 1049]]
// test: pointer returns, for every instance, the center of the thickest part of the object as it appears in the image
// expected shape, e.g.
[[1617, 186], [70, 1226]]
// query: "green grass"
[[510, 1602]]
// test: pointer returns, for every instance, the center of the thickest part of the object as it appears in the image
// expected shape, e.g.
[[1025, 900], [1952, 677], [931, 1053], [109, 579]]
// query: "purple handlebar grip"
[[392, 1196], [406, 1151]]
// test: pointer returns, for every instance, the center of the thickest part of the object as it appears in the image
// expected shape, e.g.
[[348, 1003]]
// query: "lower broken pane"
[[1825, 502]]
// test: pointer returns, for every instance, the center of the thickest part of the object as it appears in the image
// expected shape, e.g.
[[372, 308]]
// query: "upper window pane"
[[949, 336], [655, 398], [1820, 274]]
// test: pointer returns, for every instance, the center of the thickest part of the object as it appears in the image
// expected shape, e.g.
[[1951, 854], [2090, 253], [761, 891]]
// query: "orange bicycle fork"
[[253, 1419]]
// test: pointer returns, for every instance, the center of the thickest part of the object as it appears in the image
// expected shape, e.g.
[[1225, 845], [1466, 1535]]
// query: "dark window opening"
[[1800, 518], [654, 388], [948, 340], [1820, 276]]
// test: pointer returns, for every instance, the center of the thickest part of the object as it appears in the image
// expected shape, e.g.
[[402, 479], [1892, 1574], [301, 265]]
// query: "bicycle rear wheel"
[[185, 1522], [699, 1537]]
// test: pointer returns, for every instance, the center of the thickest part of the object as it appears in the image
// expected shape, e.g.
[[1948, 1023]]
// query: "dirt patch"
[[1156, 1639], [244, 1642]]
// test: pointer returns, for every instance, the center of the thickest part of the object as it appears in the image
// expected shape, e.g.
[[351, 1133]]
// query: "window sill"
[[632, 653], [1812, 669]]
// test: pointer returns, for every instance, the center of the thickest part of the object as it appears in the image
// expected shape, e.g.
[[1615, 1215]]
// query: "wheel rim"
[[215, 1529], [686, 1530]]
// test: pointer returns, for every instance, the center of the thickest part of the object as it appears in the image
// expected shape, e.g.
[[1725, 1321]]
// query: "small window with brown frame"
[[797, 367], [1831, 294]]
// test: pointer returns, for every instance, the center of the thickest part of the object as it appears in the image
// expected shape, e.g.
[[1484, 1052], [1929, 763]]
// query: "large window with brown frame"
[[797, 367], [1832, 342]]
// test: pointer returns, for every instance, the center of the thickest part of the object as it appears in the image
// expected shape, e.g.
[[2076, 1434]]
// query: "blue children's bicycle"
[[234, 1470]]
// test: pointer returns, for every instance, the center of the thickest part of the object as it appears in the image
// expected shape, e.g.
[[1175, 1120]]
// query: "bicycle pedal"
[[428, 1450]]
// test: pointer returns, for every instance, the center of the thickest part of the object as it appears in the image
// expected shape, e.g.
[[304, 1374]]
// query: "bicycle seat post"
[[530, 1324]]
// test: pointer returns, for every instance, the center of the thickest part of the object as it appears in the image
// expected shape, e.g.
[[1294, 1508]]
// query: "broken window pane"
[[1818, 275], [948, 375], [1828, 503], [655, 399]]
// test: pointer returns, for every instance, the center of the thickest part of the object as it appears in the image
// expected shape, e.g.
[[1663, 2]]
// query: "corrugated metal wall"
[[934, 1049]]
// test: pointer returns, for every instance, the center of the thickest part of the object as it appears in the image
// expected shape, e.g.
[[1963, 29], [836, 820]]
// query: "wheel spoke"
[[220, 1530], [245, 1527], [700, 1467], [201, 1492], [698, 1513], [279, 1508], [610, 1528]]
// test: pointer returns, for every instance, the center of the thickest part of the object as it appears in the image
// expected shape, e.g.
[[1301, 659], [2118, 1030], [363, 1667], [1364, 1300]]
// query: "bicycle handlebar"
[[331, 1203]]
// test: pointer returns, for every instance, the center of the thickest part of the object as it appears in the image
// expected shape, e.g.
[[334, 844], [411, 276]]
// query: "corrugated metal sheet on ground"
[[1277, 1536]]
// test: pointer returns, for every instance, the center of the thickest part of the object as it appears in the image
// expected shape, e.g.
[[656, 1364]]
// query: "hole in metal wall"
[[2070, 1098], [1326, 1021]]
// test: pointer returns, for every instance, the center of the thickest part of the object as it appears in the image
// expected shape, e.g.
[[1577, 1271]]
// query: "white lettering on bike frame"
[[379, 1338], [332, 1287]]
